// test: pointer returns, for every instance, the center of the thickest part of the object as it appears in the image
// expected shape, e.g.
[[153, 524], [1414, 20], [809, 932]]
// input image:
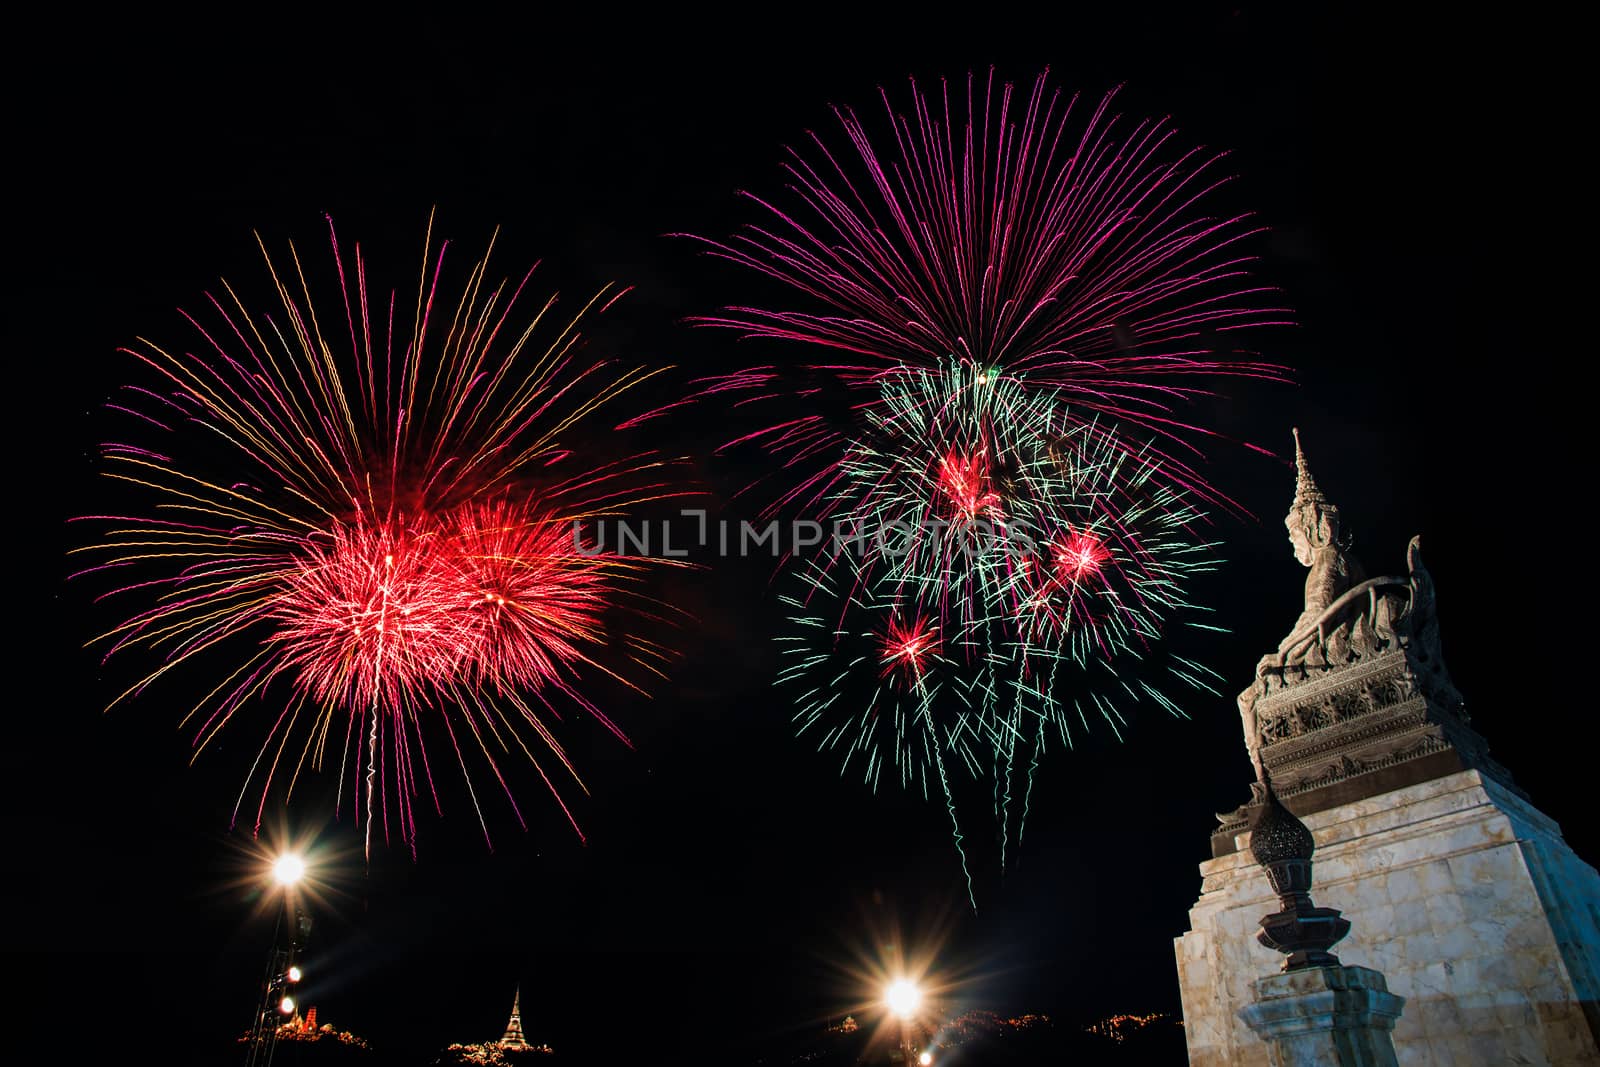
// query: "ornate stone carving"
[[1358, 687]]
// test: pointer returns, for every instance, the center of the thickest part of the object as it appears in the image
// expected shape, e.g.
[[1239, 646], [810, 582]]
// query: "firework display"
[[358, 514], [1005, 574], [989, 500], [1005, 302]]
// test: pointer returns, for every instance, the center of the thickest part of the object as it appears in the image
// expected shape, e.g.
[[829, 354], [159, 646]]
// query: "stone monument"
[[1459, 890]]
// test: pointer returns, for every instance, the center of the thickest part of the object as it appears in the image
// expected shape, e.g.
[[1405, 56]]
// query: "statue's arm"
[[1311, 623]]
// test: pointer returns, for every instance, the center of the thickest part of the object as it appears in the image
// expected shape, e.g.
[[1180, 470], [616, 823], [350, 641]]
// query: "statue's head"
[[1311, 528], [1313, 522]]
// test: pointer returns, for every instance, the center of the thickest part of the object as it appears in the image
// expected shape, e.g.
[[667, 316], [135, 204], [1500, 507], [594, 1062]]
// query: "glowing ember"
[[909, 646], [964, 481], [1080, 554]]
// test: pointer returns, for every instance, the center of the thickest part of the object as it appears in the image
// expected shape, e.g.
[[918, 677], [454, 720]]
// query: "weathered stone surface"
[[1458, 890], [1325, 1017]]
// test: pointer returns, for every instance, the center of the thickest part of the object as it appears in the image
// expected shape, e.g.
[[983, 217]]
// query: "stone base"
[[1461, 893], [1325, 1017]]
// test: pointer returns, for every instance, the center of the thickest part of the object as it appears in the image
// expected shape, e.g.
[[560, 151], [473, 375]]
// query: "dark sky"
[[1414, 181]]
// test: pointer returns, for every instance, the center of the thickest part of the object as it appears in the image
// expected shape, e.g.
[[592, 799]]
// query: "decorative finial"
[[1305, 488], [1277, 837], [1303, 932]]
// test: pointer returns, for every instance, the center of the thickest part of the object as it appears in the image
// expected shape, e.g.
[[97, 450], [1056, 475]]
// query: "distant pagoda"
[[514, 1037], [508, 1050]]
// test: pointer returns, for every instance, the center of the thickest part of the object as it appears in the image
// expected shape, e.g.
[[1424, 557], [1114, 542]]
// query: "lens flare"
[[288, 869], [903, 997]]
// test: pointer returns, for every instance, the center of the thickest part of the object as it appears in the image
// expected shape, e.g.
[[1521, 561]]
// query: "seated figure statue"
[[1320, 545], [1359, 685]]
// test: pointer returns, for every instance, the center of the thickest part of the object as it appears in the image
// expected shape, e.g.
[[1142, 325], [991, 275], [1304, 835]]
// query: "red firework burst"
[[965, 483], [372, 618], [909, 648], [537, 601], [1079, 555], [349, 522]]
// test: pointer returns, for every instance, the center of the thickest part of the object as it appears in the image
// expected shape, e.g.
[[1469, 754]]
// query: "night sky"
[[1414, 182]]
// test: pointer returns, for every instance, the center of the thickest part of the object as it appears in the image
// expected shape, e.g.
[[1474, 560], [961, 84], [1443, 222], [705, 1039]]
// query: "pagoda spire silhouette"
[[514, 1037]]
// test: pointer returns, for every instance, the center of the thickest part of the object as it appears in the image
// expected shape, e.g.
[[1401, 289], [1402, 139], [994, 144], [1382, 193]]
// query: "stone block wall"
[[1461, 893]]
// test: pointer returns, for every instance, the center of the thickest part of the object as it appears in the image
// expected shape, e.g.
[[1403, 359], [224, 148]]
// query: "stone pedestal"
[[1325, 1017], [1461, 893]]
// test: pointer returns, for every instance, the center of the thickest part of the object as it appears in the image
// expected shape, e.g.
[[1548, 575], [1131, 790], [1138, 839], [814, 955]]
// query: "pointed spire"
[[514, 1037], [1305, 488]]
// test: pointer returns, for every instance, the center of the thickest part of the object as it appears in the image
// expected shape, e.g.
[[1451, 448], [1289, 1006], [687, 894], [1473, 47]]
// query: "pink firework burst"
[[1039, 234], [362, 515]]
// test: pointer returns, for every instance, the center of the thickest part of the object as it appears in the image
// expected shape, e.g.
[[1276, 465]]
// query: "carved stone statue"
[[1321, 545], [1356, 699]]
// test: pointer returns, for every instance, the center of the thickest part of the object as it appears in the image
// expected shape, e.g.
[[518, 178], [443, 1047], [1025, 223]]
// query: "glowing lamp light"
[[286, 1005], [925, 1059], [288, 869], [903, 997], [295, 974]]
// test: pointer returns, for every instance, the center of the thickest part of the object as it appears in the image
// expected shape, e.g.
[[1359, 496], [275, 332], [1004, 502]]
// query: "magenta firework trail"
[[1043, 235]]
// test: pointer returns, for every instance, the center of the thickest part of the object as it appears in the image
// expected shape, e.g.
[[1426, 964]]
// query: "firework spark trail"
[[372, 774], [873, 680], [1041, 235], [355, 522]]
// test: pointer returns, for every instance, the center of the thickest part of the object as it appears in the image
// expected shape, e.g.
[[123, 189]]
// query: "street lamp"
[[286, 871], [904, 998]]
